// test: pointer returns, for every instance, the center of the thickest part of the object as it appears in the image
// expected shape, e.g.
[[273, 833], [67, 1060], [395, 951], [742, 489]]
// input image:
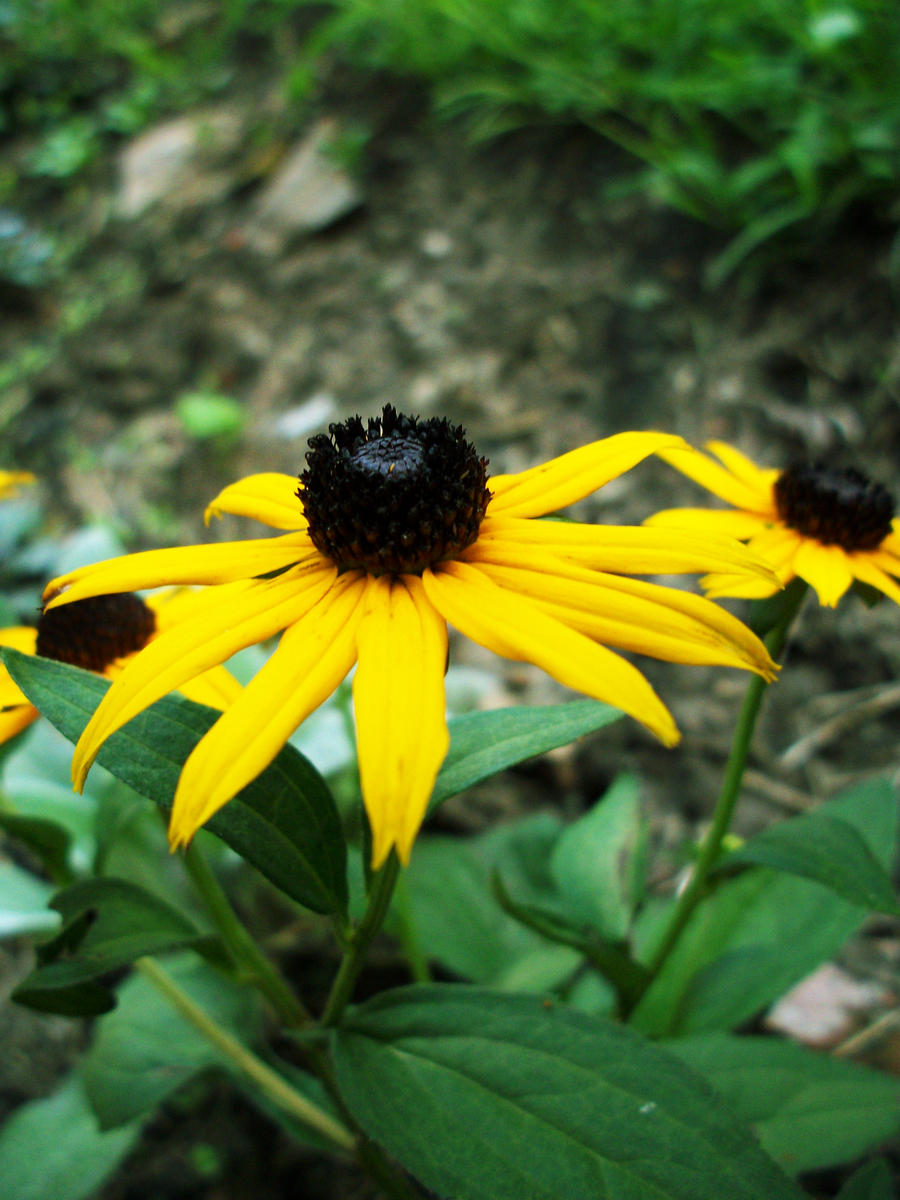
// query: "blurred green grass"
[[768, 119]]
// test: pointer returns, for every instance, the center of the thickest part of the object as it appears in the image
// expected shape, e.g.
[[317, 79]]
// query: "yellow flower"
[[396, 531], [825, 525], [11, 481], [101, 634]]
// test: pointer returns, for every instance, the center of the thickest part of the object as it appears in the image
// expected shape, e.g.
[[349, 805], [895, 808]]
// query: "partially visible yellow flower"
[[11, 481], [824, 525], [396, 531], [101, 634]]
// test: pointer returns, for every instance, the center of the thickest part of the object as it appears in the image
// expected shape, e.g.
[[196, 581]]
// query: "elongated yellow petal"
[[883, 558], [759, 479], [826, 568], [16, 637], [314, 655], [14, 720], [626, 548], [776, 545], [867, 571], [221, 562], [398, 695], [19, 637], [561, 481], [245, 616], [11, 481], [721, 522], [269, 497], [720, 481], [216, 688], [512, 627], [635, 615]]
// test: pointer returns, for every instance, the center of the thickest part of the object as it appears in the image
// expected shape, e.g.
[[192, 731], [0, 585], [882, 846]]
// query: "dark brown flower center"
[[836, 507], [93, 633], [395, 494]]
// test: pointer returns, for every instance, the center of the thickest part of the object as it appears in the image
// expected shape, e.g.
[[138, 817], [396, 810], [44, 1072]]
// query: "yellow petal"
[[868, 571], [216, 688], [720, 481], [245, 616], [221, 562], [635, 615], [561, 481], [777, 545], [14, 720], [398, 695], [759, 479], [24, 639], [11, 481], [505, 623], [314, 655], [886, 560], [826, 568], [269, 497], [619, 548], [721, 522]]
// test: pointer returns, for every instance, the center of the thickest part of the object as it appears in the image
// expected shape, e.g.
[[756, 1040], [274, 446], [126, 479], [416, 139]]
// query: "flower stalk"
[[778, 619]]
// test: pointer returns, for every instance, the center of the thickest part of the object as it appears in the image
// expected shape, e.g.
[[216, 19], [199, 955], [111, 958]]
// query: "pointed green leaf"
[[481, 1094], [828, 850], [48, 841], [483, 743], [810, 1111], [23, 902], [597, 862], [284, 823], [758, 935], [53, 1149], [871, 1182], [145, 1050]]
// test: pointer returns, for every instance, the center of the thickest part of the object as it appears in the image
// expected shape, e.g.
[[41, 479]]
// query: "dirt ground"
[[500, 286]]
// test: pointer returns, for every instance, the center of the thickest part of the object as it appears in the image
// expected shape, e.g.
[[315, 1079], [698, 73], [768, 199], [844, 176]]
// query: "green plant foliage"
[[870, 1182], [759, 119], [830, 851], [483, 1094], [284, 823], [106, 923], [23, 903], [53, 1149], [758, 935], [209, 416], [810, 1111], [145, 1050], [598, 862], [483, 743]]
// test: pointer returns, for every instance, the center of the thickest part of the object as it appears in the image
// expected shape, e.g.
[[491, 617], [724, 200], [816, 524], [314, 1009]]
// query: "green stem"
[[258, 968], [253, 1068], [354, 958], [711, 847]]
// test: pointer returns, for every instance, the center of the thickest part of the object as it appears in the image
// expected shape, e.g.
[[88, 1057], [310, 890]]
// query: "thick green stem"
[[247, 956], [354, 958], [711, 847], [268, 1081]]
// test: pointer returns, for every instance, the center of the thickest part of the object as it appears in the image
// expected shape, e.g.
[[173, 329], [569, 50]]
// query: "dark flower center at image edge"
[[394, 494], [836, 507], [93, 633]]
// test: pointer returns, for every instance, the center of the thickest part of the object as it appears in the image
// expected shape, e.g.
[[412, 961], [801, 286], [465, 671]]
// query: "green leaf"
[[23, 903], [52, 1149], [284, 823], [871, 1182], [145, 1050], [809, 1111], [761, 933], [455, 919], [483, 743], [107, 923], [46, 840], [828, 850], [481, 1094], [597, 862]]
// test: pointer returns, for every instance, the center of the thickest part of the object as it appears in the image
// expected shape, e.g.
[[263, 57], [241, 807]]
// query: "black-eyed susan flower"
[[12, 481], [101, 634], [396, 530], [824, 525]]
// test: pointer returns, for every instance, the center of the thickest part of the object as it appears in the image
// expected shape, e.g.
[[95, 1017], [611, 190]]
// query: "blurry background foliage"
[[765, 118]]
